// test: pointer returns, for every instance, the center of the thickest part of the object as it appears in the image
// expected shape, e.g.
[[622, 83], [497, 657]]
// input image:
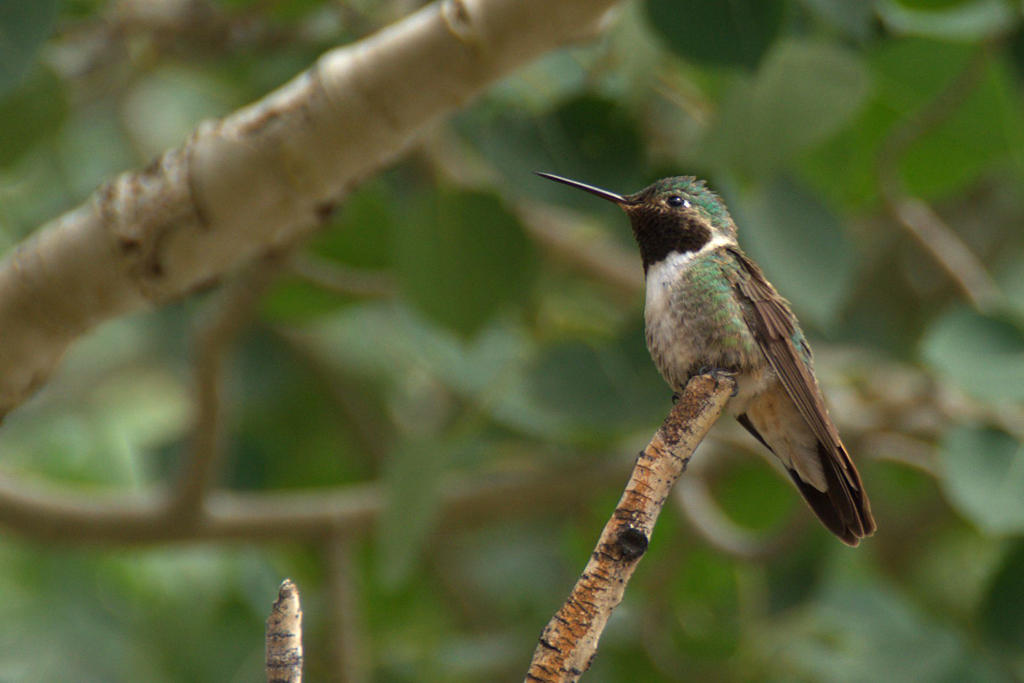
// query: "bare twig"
[[556, 230], [949, 251], [917, 216], [339, 279], [69, 516], [872, 407], [347, 650], [284, 636], [600, 259], [216, 335], [714, 526], [569, 641]]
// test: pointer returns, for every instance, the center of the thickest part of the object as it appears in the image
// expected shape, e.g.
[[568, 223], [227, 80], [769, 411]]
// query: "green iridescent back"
[[714, 310], [707, 298]]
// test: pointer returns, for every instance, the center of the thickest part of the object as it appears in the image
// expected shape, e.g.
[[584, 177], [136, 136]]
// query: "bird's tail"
[[843, 507]]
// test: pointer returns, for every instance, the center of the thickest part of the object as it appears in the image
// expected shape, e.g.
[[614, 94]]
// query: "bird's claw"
[[718, 374]]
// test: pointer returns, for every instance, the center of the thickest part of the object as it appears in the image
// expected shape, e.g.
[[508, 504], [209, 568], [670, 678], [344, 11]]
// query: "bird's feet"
[[718, 374]]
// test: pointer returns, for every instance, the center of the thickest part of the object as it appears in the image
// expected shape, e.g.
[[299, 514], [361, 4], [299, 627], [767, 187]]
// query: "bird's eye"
[[676, 201]]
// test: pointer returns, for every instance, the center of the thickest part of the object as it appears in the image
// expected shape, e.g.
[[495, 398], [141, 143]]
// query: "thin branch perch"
[[214, 341], [569, 641], [72, 516], [284, 636], [347, 649]]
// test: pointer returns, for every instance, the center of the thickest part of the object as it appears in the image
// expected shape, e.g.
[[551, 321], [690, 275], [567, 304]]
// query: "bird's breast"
[[693, 321]]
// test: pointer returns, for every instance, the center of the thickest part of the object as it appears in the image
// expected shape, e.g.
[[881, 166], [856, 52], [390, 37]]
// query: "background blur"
[[463, 320]]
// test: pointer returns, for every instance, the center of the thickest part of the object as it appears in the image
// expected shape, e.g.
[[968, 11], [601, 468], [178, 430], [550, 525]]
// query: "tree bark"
[[569, 641], [284, 636], [262, 176]]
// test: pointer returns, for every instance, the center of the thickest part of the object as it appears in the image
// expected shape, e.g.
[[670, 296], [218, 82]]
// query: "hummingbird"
[[709, 308]]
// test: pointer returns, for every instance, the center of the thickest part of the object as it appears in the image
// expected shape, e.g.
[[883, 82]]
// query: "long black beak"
[[603, 194]]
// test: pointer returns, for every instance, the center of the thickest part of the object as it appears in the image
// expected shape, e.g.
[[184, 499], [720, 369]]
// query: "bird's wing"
[[776, 332], [783, 344]]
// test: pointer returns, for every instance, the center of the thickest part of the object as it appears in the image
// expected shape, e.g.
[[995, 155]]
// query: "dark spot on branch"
[[324, 211], [129, 245], [632, 543]]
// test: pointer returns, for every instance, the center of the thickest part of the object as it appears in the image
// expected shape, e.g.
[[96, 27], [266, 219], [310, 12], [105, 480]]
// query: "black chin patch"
[[659, 234]]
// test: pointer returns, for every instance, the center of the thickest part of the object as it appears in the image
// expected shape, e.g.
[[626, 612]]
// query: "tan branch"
[[347, 647], [569, 641], [355, 413], [949, 251], [262, 176], [557, 231], [696, 501], [343, 280], [70, 516], [214, 340], [888, 401], [284, 636]]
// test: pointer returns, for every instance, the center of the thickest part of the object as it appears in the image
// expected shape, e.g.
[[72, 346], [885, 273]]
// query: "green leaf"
[[1010, 278], [854, 19], [24, 25], [1002, 610], [734, 33], [983, 475], [803, 93], [862, 632], [162, 108], [293, 300], [984, 355], [586, 137], [801, 245], [754, 495], [280, 404], [412, 480], [600, 390], [363, 231], [600, 139], [983, 128], [970, 21], [30, 114], [463, 258], [905, 75], [386, 343], [707, 589], [572, 381]]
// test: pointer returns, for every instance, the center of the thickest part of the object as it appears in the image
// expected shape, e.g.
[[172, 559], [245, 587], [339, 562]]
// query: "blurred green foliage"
[[486, 353]]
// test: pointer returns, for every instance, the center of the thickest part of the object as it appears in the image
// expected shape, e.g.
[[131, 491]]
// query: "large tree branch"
[[260, 177]]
